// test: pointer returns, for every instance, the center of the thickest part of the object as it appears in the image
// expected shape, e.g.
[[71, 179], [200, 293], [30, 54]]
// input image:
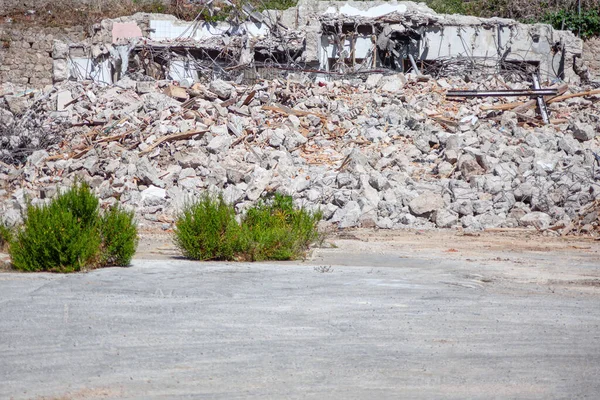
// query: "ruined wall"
[[26, 52], [591, 56], [8, 6]]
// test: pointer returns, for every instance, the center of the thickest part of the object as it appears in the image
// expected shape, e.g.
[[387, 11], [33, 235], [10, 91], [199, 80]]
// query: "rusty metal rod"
[[502, 93]]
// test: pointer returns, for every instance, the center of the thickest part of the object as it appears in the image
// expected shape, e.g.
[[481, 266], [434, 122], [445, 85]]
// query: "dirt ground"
[[532, 257], [444, 243]]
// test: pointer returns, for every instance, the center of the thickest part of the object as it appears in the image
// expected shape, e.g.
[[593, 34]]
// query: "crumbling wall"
[[591, 56], [26, 52], [8, 6]]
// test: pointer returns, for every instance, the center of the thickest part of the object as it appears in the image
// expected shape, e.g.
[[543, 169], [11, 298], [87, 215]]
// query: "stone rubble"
[[385, 151]]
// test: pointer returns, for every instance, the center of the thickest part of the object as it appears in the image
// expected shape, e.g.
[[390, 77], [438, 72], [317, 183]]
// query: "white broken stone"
[[537, 219], [219, 144], [425, 204], [153, 196], [221, 89], [348, 216], [260, 179]]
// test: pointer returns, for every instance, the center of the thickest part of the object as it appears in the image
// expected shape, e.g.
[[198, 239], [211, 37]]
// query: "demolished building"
[[325, 38]]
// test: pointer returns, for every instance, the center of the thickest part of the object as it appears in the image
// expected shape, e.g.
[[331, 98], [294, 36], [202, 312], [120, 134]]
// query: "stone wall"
[[8, 6], [26, 52], [591, 56]]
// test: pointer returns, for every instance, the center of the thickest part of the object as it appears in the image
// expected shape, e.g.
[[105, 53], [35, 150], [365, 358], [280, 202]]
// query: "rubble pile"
[[387, 151]]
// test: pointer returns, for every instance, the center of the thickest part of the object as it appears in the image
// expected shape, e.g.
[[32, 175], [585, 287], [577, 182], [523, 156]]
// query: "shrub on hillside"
[[272, 230], [70, 234]]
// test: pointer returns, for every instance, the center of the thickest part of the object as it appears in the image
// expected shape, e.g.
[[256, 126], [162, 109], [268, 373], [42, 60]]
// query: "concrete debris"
[[384, 151]]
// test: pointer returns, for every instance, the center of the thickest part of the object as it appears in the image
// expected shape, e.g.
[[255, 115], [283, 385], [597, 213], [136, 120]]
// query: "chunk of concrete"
[[221, 89], [153, 196], [219, 144], [537, 219], [583, 132], [426, 203]]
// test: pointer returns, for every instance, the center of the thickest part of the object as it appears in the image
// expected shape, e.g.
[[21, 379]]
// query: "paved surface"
[[396, 327]]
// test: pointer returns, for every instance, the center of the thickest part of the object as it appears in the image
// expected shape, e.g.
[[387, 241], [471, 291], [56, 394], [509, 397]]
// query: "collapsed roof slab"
[[456, 36]]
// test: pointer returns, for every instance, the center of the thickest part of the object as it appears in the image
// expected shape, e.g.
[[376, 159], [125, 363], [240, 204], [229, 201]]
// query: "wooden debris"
[[171, 138], [291, 111], [176, 92]]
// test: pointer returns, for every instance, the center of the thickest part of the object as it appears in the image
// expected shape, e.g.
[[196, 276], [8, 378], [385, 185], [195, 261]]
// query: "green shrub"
[[70, 234], [6, 235], [53, 239], [207, 230], [275, 230], [119, 237], [81, 202], [272, 230]]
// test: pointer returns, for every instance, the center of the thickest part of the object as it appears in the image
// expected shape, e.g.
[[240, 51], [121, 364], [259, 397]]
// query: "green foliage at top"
[[448, 6], [70, 234], [275, 4], [272, 230], [587, 24], [561, 14]]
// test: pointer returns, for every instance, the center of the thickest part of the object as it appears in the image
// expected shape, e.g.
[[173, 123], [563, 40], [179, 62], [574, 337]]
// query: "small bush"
[[53, 239], [6, 235], [207, 230], [119, 237], [272, 230], [275, 230], [70, 234]]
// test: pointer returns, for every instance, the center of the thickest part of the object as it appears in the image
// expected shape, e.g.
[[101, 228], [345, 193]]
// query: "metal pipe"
[[414, 64], [540, 100], [502, 93]]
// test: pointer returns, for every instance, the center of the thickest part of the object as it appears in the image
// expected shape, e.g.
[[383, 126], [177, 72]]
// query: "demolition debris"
[[373, 115], [387, 151]]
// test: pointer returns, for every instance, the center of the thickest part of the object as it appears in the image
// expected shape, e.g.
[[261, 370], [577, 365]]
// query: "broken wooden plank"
[[171, 138], [529, 120], [572, 95], [249, 98], [115, 137], [526, 105], [291, 111]]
